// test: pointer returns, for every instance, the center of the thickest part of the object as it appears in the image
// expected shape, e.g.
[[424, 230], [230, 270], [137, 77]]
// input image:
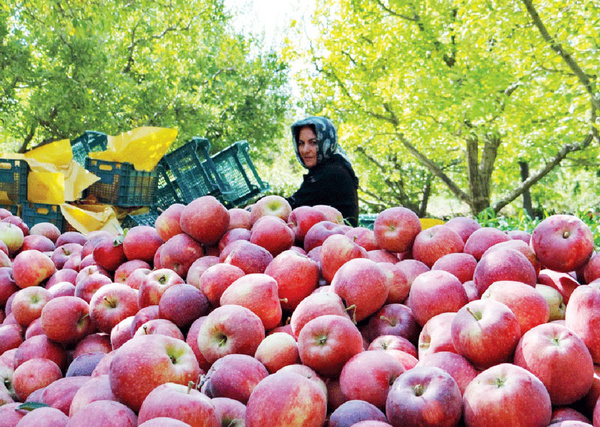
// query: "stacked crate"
[[13, 181]]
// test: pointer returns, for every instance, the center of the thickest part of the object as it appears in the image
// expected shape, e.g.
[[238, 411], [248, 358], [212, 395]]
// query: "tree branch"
[[566, 56], [396, 14]]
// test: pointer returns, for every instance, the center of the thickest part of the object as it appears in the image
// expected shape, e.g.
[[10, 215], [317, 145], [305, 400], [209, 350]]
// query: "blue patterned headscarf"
[[328, 146]]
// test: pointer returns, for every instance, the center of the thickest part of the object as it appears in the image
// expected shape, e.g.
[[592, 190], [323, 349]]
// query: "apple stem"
[[390, 320], [353, 308], [145, 328], [477, 317], [284, 300], [190, 386], [419, 389], [110, 302]]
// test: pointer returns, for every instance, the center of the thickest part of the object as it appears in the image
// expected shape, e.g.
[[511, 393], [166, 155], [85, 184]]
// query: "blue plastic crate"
[[167, 190], [13, 179], [121, 184], [13, 209], [86, 143], [192, 176], [148, 218], [238, 179], [34, 213]]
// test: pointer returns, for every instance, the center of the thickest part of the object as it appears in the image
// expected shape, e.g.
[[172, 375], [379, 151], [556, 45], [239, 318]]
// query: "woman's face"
[[307, 146]]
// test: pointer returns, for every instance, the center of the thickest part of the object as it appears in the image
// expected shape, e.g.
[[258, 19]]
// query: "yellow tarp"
[[430, 222], [143, 147], [88, 218]]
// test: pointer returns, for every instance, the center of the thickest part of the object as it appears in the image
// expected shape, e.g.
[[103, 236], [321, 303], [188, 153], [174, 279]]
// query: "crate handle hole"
[[6, 166], [106, 167]]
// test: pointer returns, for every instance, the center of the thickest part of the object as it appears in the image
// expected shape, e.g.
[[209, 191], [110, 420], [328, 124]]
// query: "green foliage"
[[71, 66], [435, 83]]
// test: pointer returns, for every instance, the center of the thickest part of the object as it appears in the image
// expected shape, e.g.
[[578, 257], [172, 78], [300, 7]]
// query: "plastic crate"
[[121, 184], [193, 177], [236, 175], [34, 213], [367, 220], [13, 179], [86, 143], [148, 218], [167, 190]]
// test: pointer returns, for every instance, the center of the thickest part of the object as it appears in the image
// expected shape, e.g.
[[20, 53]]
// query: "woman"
[[330, 179]]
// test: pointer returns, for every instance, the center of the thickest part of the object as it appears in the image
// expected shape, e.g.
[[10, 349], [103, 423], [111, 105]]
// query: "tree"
[[71, 66], [467, 89]]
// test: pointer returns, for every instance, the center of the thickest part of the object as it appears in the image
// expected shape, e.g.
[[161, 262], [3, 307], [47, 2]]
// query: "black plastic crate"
[[148, 218], [192, 176], [121, 184], [238, 179], [367, 220], [167, 190], [86, 143], [13, 179], [34, 213]]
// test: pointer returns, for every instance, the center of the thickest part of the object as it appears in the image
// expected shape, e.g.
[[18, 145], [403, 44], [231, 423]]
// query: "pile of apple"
[[278, 317]]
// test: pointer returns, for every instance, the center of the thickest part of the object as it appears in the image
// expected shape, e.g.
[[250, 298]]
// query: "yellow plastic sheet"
[[430, 222], [88, 218], [57, 153], [46, 187], [143, 147]]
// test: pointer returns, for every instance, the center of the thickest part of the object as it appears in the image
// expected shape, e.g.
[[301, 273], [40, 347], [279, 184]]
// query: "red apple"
[[436, 335], [109, 254], [27, 304], [562, 242], [205, 219], [155, 285], [506, 395], [62, 289], [34, 374], [64, 275], [462, 265], [463, 226], [327, 342], [302, 218], [124, 270], [230, 329], [97, 388], [397, 283], [560, 359], [528, 305], [411, 269], [35, 328], [273, 234], [248, 256], [239, 218], [392, 319], [156, 358], [555, 302], [198, 268], [435, 292], [168, 224], [66, 319], [46, 416], [396, 228], [136, 278], [229, 411], [234, 376], [46, 229], [284, 399], [31, 268], [192, 339], [111, 304], [216, 279], [485, 332], [424, 395], [482, 239], [336, 251], [277, 350], [94, 343], [364, 237], [320, 231], [562, 282], [37, 242], [353, 411], [435, 242], [7, 285], [503, 264], [71, 237], [142, 316], [582, 316], [182, 304], [121, 332], [361, 283], [63, 253], [315, 305], [368, 376], [88, 285], [179, 402], [105, 413], [454, 364], [257, 292], [591, 270], [520, 246], [296, 275], [141, 242], [235, 234], [270, 205], [179, 253], [84, 364], [160, 327]]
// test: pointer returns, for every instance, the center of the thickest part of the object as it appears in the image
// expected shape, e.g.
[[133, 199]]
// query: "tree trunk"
[[527, 206]]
